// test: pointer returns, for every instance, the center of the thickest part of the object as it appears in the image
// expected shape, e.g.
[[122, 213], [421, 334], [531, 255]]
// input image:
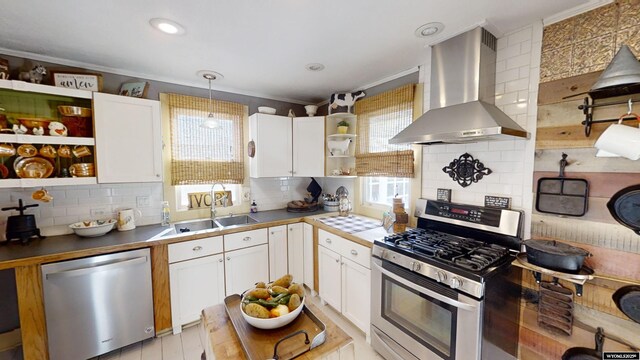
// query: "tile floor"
[[187, 346]]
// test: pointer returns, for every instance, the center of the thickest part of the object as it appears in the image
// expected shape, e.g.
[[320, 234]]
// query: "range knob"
[[415, 266], [442, 276], [456, 283]]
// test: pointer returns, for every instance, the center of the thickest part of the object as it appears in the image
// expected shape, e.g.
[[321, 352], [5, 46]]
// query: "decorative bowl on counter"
[[266, 110], [66, 110], [93, 228], [273, 323]]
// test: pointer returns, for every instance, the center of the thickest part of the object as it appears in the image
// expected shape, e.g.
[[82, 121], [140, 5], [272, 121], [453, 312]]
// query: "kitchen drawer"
[[356, 252], [195, 249], [245, 239], [329, 240]]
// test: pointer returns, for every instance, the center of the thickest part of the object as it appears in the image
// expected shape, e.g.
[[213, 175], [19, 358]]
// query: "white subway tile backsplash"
[[501, 145], [507, 75], [516, 85], [78, 193], [518, 61], [519, 36]]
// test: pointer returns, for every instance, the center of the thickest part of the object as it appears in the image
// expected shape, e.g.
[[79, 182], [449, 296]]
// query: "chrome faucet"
[[213, 199]]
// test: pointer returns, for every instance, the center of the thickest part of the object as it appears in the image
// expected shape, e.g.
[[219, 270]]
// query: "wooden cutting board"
[[258, 344]]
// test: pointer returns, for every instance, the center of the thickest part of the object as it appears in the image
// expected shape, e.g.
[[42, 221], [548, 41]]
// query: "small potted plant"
[[343, 127]]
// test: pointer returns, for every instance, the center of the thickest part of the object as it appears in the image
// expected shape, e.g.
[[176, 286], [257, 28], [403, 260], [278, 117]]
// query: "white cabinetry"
[[295, 251], [128, 139], [345, 277], [286, 146], [308, 255], [196, 272], [248, 262], [308, 146], [277, 252]]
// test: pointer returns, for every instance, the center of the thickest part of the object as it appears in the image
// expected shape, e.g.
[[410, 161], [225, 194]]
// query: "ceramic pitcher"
[[127, 219]]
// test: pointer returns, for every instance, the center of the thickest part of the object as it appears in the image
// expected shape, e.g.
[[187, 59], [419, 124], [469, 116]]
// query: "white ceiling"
[[260, 46]]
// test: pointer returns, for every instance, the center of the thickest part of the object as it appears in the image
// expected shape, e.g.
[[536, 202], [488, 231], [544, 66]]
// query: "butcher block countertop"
[[221, 341]]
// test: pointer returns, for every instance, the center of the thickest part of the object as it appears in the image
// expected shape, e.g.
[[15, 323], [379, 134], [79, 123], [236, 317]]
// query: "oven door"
[[414, 317]]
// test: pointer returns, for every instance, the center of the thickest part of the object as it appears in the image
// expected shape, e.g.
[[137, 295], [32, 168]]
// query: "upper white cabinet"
[[308, 146], [286, 146], [128, 139]]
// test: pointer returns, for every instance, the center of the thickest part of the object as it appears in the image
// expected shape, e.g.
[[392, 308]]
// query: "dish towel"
[[350, 224]]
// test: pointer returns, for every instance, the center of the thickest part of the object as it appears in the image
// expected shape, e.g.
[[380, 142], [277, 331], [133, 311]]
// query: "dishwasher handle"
[[100, 267]]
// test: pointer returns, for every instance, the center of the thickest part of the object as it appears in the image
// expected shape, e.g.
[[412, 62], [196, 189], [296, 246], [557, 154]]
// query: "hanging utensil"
[[627, 299], [561, 195], [583, 353], [624, 206]]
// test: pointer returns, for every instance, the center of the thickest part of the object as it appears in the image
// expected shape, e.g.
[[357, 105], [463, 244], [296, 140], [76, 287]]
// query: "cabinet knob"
[[221, 260], [228, 258], [328, 240], [197, 248], [354, 252], [247, 238], [157, 175], [337, 260]]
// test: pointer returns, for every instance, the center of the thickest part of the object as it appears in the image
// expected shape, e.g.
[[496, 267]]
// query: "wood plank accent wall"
[[161, 289], [566, 79], [31, 311]]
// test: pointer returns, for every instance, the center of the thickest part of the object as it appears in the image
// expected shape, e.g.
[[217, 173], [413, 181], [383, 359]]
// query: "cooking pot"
[[555, 255], [624, 206]]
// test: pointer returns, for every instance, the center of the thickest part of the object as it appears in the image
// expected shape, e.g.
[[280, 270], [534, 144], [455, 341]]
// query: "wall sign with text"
[[90, 82]]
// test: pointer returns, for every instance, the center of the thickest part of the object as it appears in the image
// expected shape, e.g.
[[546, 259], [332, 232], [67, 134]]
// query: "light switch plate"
[[99, 212], [246, 194]]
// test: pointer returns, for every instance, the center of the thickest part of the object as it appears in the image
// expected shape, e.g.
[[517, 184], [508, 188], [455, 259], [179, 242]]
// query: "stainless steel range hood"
[[462, 95]]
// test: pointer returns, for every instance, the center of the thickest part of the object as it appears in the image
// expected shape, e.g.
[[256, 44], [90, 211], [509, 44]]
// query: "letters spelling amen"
[[77, 84]]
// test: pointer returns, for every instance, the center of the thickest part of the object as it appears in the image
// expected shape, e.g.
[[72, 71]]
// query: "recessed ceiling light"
[[429, 29], [314, 67], [167, 26]]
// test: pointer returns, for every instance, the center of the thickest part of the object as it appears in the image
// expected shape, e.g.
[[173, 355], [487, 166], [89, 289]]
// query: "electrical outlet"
[[246, 194], [143, 201], [99, 212]]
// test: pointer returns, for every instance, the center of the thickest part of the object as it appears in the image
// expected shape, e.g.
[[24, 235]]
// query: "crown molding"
[[577, 10], [143, 76]]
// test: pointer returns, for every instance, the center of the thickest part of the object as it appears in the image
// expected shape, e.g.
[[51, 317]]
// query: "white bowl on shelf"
[[273, 323], [311, 109], [266, 110], [93, 228]]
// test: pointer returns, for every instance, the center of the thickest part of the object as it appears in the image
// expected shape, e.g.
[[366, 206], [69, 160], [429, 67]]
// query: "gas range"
[[455, 244], [446, 289]]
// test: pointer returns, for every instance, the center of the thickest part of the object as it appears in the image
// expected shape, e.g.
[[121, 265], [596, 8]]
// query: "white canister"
[[619, 139], [127, 219]]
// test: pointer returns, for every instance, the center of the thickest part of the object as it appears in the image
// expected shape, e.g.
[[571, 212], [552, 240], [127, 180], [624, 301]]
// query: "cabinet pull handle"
[[353, 252], [228, 258], [197, 248], [328, 240], [221, 260], [246, 238], [337, 260]]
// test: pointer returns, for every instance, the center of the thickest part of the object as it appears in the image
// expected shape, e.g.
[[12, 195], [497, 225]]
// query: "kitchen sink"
[[235, 220], [195, 225]]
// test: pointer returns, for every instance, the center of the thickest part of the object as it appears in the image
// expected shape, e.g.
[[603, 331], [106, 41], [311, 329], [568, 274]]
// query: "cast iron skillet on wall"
[[624, 206], [583, 353], [627, 298]]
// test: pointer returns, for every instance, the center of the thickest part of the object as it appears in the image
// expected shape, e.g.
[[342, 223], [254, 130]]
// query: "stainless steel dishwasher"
[[97, 304]]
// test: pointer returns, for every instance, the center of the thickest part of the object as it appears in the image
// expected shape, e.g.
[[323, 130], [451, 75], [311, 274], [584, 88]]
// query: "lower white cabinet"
[[278, 257], [345, 278], [309, 280], [295, 251], [245, 267], [195, 281], [330, 277]]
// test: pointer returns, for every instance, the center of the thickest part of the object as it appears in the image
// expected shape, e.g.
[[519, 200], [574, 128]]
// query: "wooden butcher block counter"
[[221, 342]]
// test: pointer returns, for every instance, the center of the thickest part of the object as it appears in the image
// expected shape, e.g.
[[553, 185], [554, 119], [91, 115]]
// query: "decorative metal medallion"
[[466, 170]]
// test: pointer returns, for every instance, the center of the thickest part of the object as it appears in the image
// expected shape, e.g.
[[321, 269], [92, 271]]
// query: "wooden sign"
[[444, 195], [202, 200], [497, 202], [86, 81]]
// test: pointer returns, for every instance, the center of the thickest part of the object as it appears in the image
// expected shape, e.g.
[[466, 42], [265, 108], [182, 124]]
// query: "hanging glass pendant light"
[[210, 122]]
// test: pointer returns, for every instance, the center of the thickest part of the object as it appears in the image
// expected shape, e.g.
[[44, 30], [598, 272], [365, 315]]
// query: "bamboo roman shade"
[[205, 156], [380, 118]]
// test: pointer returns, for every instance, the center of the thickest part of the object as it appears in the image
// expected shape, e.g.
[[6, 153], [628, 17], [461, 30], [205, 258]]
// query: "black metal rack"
[[587, 110]]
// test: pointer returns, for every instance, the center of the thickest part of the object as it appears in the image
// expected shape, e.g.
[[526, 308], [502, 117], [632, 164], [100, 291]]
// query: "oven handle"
[[444, 299]]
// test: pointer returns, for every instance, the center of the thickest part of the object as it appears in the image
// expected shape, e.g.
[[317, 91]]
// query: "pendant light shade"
[[210, 122]]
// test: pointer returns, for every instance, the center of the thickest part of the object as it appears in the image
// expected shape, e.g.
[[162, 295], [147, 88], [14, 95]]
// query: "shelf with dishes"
[[341, 136]]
